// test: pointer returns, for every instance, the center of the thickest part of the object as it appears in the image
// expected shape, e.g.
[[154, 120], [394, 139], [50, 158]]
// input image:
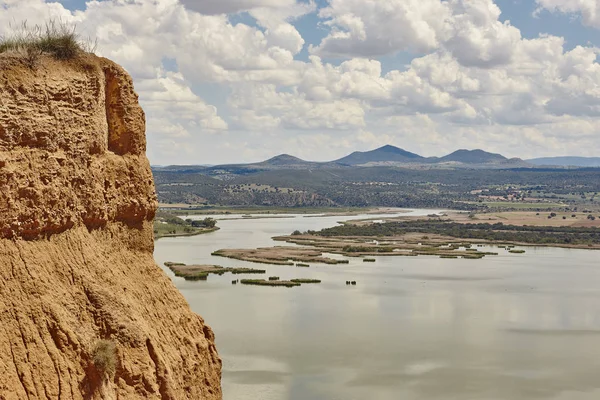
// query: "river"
[[506, 327]]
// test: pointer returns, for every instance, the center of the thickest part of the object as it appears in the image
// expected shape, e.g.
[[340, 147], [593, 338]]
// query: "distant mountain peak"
[[389, 147], [387, 153], [476, 156], [284, 159]]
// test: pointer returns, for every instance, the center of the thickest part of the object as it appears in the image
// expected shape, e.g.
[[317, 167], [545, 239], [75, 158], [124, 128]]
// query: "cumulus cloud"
[[470, 30], [370, 28], [588, 9], [169, 94], [262, 106]]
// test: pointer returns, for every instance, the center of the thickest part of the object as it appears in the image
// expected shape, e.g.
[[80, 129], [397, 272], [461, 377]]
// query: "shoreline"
[[172, 235]]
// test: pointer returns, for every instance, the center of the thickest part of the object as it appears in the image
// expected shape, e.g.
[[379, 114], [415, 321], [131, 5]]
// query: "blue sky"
[[243, 80]]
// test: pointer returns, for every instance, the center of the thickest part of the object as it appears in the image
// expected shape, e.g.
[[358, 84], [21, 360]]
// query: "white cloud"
[[371, 28], [262, 106], [169, 94], [470, 30], [588, 9]]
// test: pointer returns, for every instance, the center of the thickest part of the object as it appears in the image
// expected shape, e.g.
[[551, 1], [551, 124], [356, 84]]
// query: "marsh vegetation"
[[584, 237], [262, 282], [170, 225], [201, 272], [280, 255]]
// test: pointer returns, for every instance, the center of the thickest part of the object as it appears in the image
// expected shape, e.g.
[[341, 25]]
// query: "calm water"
[[513, 326]]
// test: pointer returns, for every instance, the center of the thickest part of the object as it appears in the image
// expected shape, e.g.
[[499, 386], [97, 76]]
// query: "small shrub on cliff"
[[55, 38], [105, 358]]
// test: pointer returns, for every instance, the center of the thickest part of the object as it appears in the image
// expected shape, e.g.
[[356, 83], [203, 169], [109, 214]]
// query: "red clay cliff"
[[77, 201]]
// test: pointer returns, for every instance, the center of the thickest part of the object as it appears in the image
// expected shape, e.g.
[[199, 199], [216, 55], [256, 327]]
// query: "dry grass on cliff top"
[[55, 38]]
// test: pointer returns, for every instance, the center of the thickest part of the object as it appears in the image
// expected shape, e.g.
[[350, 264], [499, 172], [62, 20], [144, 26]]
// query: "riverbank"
[[196, 232]]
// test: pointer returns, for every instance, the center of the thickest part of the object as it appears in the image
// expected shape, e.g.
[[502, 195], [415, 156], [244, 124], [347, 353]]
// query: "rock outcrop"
[[77, 202]]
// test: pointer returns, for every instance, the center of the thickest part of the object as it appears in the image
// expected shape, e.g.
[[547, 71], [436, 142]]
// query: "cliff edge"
[[77, 201]]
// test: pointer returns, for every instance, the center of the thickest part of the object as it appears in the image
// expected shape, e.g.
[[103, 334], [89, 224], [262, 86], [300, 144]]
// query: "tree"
[[205, 223]]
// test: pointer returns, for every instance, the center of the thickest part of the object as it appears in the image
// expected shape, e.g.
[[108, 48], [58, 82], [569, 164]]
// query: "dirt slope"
[[76, 206]]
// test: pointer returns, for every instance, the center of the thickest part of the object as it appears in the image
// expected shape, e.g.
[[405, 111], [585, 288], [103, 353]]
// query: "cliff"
[[77, 201]]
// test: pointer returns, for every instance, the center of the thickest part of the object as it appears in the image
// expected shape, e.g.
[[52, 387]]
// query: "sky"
[[231, 81]]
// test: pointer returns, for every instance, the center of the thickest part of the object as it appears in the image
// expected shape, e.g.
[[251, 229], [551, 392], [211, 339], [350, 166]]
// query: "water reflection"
[[512, 326]]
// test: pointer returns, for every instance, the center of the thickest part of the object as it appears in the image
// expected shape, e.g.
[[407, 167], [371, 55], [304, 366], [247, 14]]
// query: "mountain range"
[[394, 156]]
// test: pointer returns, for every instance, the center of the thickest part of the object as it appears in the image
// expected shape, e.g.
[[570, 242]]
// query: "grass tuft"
[[56, 38], [105, 358]]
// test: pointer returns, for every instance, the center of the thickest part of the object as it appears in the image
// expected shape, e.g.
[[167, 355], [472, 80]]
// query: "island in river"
[[447, 235]]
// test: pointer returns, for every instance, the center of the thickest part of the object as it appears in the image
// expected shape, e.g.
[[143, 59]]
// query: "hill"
[[581, 162], [383, 154], [472, 157], [285, 160]]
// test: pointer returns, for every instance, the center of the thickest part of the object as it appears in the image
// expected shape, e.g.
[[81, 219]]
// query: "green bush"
[[205, 223]]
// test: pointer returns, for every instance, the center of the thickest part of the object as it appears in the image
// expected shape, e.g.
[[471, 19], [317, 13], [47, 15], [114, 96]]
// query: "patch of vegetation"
[[195, 276], [498, 232], [201, 272], [55, 38], [273, 278], [170, 225], [238, 271], [203, 223], [368, 260], [277, 255], [367, 249], [517, 251], [104, 357], [262, 282], [302, 265], [173, 264], [305, 280]]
